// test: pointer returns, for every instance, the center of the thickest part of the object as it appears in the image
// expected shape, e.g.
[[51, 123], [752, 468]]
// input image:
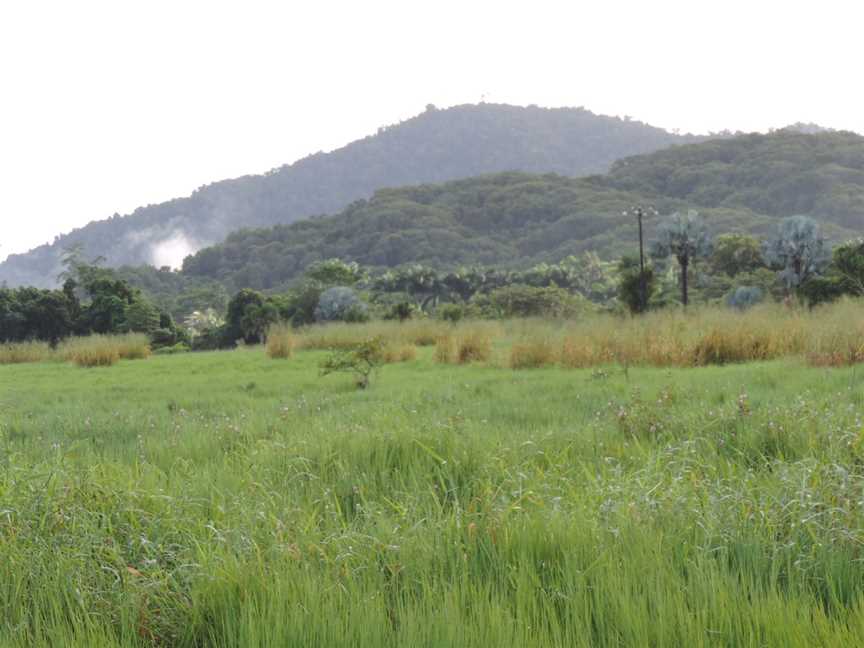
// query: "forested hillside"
[[509, 219], [742, 184], [436, 146], [787, 172]]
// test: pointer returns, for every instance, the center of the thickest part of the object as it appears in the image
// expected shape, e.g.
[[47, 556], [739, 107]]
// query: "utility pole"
[[643, 290]]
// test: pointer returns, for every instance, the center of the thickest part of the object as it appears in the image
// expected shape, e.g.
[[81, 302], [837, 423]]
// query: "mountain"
[[743, 184], [435, 146]]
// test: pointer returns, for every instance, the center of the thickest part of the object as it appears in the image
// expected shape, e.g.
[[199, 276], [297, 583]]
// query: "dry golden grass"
[[531, 354], [474, 346], [280, 342], [445, 349], [26, 352], [827, 336], [345, 336], [105, 350], [397, 352]]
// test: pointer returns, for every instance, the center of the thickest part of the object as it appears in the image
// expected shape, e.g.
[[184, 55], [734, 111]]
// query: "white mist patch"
[[172, 250]]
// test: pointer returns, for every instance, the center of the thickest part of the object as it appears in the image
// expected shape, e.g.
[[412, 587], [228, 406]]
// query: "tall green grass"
[[222, 499]]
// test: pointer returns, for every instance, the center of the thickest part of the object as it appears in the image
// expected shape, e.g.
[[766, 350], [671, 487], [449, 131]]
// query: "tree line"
[[685, 265]]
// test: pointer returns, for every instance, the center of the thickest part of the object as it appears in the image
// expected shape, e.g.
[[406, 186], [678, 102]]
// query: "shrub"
[[451, 312], [280, 342], [529, 301], [744, 297], [361, 361], [402, 311], [340, 304]]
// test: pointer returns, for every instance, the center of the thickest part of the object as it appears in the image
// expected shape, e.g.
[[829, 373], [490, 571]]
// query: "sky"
[[110, 105]]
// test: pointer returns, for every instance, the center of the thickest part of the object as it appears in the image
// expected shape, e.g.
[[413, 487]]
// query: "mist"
[[172, 250]]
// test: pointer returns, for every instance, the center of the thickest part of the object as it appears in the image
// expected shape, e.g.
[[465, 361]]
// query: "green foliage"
[[630, 286], [744, 297], [799, 250], [734, 254], [141, 317], [194, 500], [686, 239], [450, 312], [249, 316], [785, 172], [361, 360], [335, 272], [529, 301], [401, 311], [340, 303]]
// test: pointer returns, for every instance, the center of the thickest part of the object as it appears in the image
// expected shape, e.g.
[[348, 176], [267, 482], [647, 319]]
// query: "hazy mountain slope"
[[436, 146]]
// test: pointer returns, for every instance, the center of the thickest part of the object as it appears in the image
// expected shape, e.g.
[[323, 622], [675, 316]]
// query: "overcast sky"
[[106, 106]]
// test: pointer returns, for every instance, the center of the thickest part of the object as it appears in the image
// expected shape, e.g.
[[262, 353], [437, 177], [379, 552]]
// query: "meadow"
[[234, 499]]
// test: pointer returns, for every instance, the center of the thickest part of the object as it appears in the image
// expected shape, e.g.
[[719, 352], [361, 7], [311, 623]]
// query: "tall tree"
[[799, 250], [685, 238]]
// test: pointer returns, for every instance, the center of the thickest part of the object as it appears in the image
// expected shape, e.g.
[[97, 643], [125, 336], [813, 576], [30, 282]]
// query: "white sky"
[[109, 105]]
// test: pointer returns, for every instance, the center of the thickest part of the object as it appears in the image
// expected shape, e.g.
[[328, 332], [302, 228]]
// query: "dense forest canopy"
[[435, 146], [787, 172]]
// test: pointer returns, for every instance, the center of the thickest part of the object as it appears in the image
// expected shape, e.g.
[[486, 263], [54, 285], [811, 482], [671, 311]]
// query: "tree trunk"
[[684, 265]]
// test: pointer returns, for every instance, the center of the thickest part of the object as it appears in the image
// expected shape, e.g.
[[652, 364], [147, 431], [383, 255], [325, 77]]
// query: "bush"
[[402, 311], [361, 361], [451, 312], [340, 304], [280, 342], [529, 301], [744, 297]]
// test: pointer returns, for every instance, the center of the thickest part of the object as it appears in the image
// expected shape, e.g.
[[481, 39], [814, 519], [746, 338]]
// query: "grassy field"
[[230, 499]]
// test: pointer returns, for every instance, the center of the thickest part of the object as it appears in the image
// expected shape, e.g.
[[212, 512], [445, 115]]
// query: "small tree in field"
[[799, 249], [362, 361], [685, 238]]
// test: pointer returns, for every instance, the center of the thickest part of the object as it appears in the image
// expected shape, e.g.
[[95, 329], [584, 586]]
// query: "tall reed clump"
[[19, 352], [445, 349], [464, 345], [839, 341], [830, 335], [338, 335], [105, 350], [532, 354], [397, 352], [280, 342]]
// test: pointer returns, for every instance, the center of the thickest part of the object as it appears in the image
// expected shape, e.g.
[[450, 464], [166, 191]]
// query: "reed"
[[280, 342], [21, 352]]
